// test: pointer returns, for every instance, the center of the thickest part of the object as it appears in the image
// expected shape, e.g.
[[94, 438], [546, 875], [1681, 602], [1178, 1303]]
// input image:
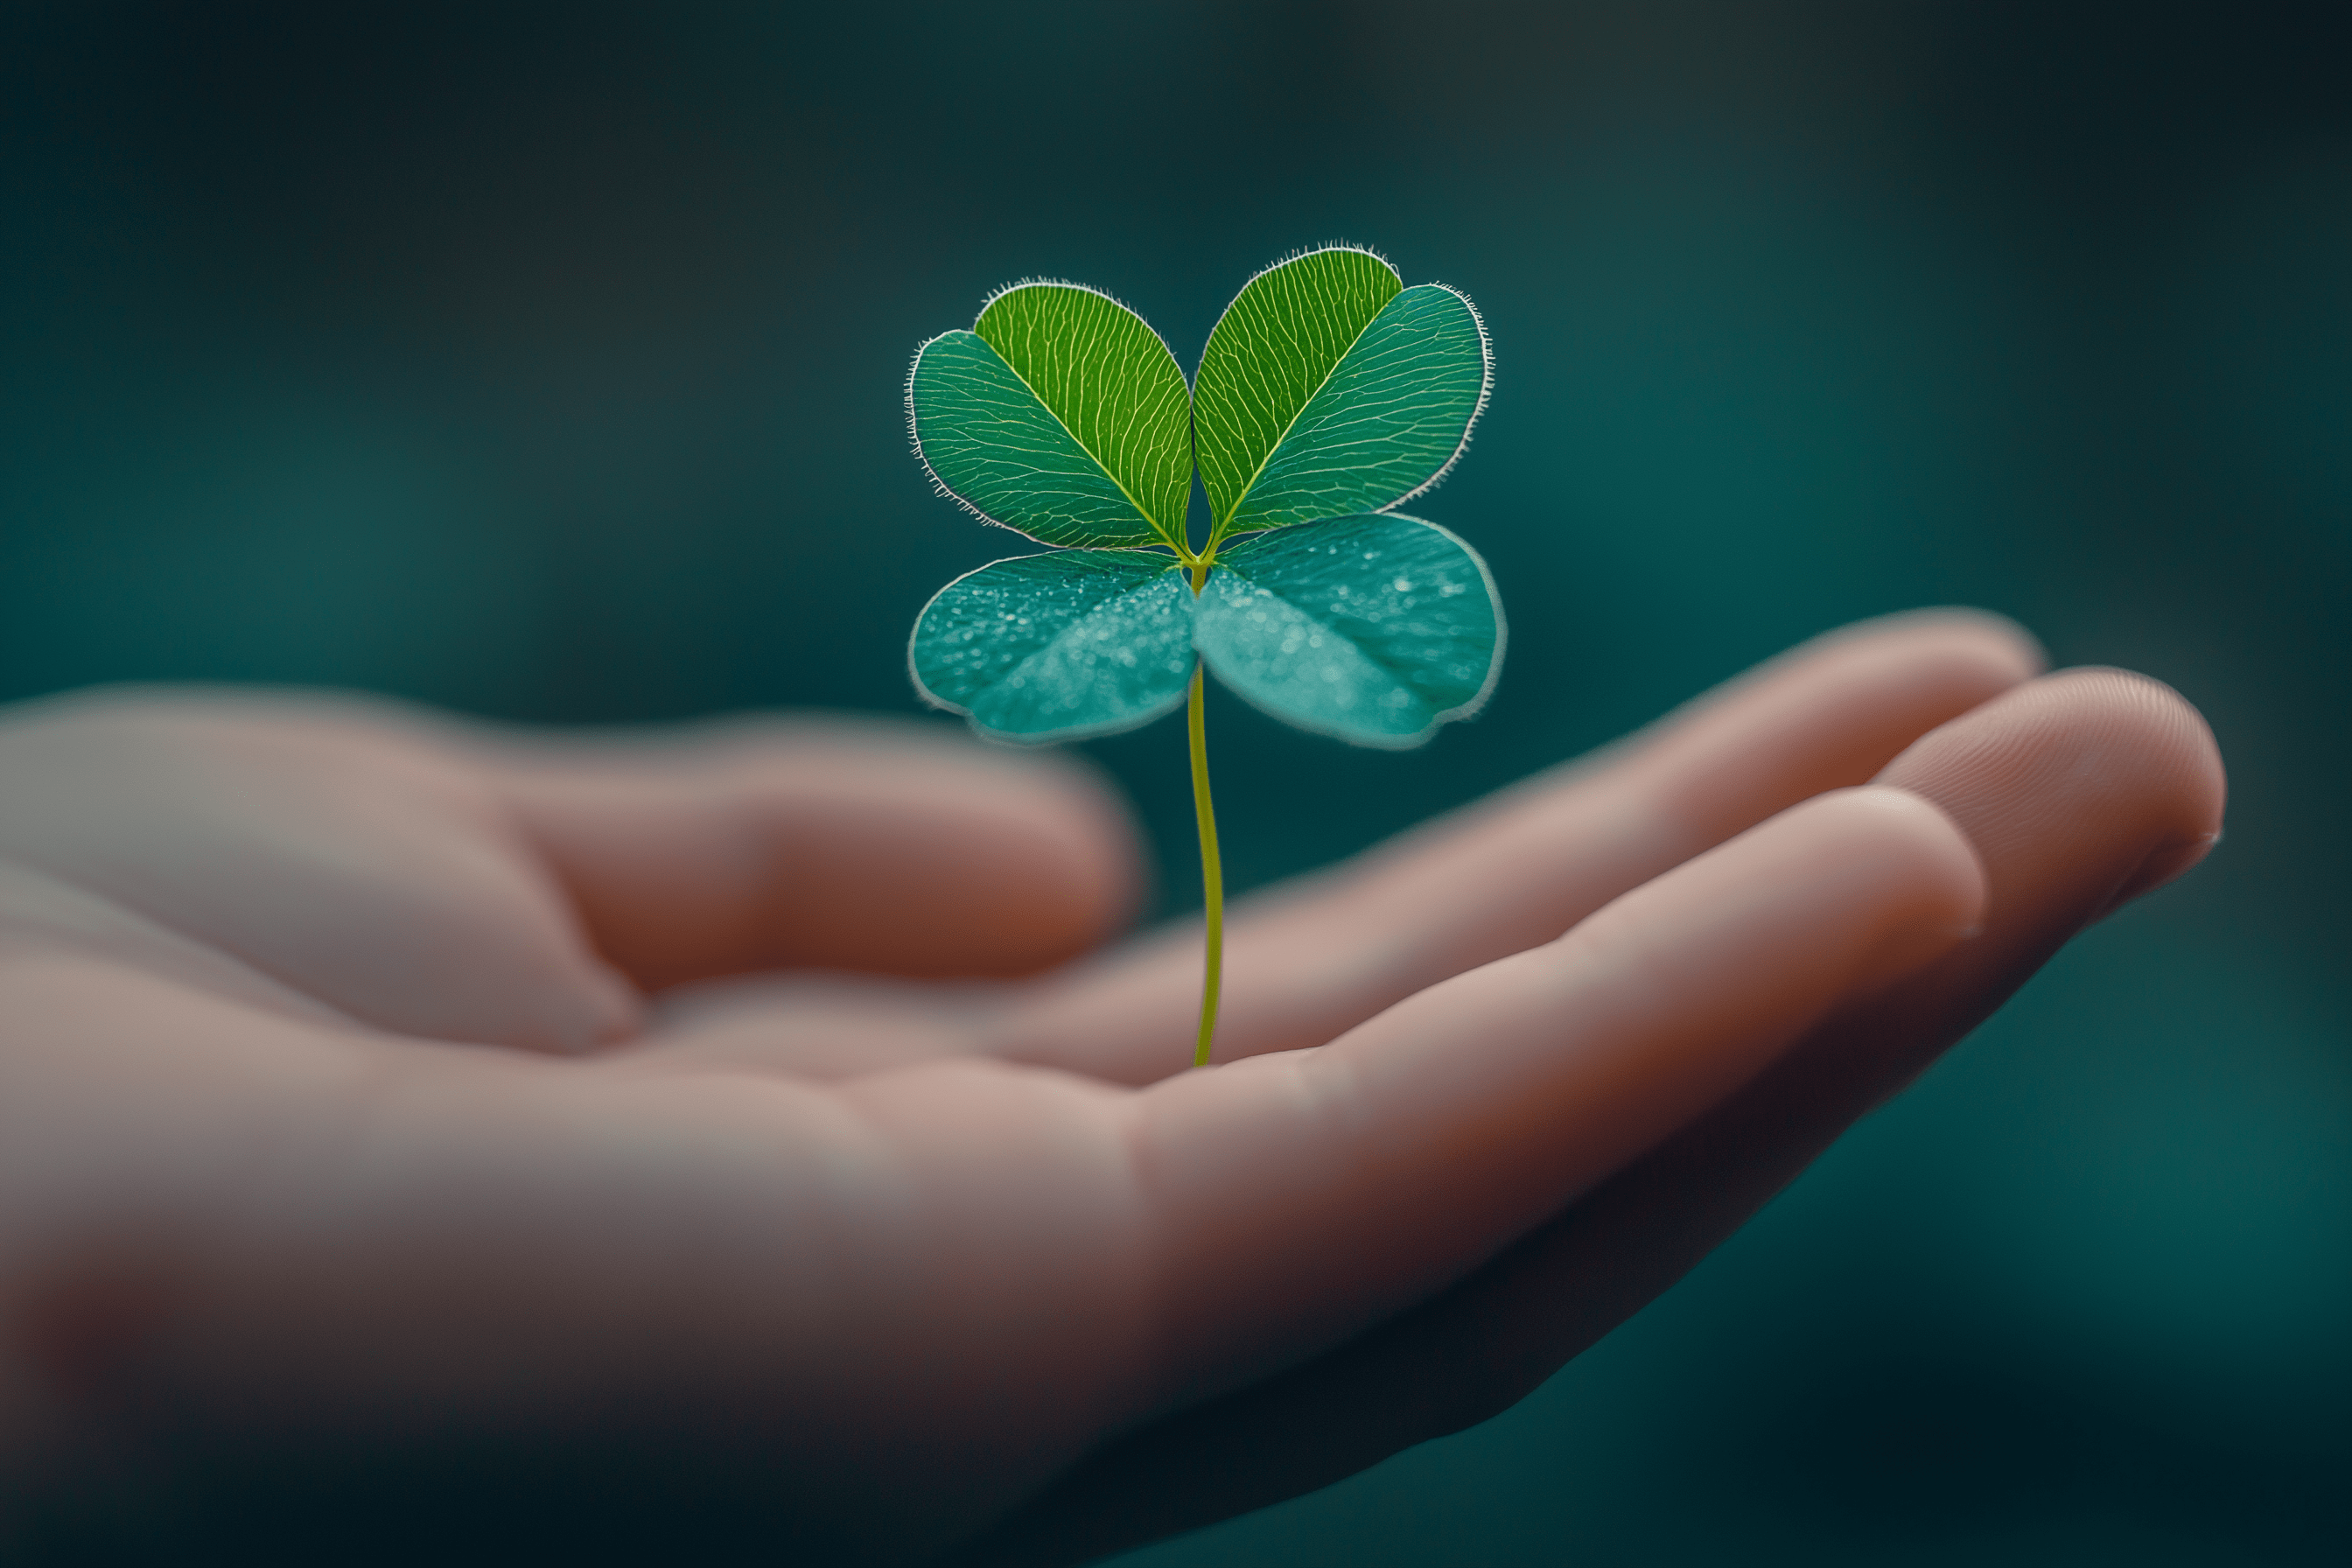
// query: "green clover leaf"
[[1328, 395], [1060, 415], [1329, 388]]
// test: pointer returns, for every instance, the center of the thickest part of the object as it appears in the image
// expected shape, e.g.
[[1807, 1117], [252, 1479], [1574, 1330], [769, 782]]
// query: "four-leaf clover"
[[1328, 395]]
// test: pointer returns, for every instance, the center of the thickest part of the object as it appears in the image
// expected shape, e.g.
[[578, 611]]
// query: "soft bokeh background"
[[545, 362]]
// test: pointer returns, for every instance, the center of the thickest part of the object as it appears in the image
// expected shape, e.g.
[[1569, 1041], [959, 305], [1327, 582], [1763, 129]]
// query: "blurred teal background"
[[545, 362]]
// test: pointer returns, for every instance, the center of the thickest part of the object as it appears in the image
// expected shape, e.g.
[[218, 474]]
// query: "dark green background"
[[545, 362]]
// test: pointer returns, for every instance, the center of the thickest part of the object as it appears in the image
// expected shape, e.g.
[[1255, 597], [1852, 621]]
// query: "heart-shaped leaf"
[[1328, 388], [1375, 629], [1061, 414], [1053, 648]]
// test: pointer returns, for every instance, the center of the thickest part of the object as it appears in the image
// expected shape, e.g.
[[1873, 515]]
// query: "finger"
[[1300, 1197], [1524, 866], [875, 848], [2078, 790]]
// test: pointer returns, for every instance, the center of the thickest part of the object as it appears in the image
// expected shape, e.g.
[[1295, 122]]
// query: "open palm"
[[554, 1146]]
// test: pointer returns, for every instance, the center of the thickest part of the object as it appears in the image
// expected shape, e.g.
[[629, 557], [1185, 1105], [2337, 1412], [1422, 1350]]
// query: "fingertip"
[[1924, 882], [1940, 863], [2177, 758], [2183, 773], [1830, 712], [930, 855], [1953, 651], [1074, 846], [1983, 636]]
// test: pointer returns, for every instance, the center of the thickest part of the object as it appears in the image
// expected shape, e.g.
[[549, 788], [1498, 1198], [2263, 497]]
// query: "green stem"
[[1212, 875]]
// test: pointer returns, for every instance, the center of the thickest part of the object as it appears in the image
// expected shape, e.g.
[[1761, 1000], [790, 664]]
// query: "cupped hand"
[[565, 1148]]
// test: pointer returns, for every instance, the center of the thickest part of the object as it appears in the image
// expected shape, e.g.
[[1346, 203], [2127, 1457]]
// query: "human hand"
[[897, 1269]]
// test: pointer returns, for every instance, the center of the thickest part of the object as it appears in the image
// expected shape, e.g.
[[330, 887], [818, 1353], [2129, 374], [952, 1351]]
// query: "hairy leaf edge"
[[1046, 737], [1302, 253], [1428, 732], [1486, 395]]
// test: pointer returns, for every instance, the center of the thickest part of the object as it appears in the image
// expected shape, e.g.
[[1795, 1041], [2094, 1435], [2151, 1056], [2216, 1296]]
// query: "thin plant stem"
[[1212, 875]]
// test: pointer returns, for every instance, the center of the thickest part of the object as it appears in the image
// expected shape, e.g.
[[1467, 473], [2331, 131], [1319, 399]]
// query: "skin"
[[420, 1136]]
